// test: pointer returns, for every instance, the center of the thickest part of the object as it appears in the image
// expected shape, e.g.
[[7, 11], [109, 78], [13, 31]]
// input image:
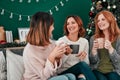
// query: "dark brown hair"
[[80, 24], [39, 29], [113, 27]]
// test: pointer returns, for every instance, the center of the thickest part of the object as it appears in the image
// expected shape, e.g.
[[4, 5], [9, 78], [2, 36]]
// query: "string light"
[[2, 13], [92, 8], [11, 15], [28, 18], [61, 3], [21, 16], [56, 8], [104, 0], [20, 1], [29, 1], [108, 7], [50, 12], [114, 6], [12, 0], [37, 0], [67, 0], [93, 3]]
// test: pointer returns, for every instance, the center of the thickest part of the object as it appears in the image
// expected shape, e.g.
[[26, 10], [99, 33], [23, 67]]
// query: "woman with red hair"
[[105, 47]]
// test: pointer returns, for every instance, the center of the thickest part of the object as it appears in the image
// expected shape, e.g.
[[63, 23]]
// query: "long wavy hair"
[[113, 26], [81, 32]]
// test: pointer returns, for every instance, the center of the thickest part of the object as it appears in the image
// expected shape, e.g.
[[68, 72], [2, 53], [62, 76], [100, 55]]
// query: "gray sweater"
[[115, 56]]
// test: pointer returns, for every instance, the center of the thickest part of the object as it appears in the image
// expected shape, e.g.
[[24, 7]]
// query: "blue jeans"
[[68, 76], [107, 76], [81, 68]]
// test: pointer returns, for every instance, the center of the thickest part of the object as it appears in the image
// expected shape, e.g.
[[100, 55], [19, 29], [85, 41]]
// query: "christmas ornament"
[[99, 5], [91, 14]]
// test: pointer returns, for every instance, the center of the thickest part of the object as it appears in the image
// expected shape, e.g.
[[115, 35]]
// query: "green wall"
[[70, 7]]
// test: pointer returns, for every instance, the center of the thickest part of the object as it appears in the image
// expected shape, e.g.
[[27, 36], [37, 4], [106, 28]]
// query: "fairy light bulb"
[[50, 11], [2, 13], [37, 0], [12, 0], [61, 3], [28, 18], [109, 7], [11, 15], [20, 1], [20, 17], [92, 8], [67, 0], [29, 1], [56, 8], [114, 6], [87, 29], [104, 0]]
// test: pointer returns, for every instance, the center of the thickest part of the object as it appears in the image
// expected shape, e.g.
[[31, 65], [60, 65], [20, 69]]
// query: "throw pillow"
[[15, 67]]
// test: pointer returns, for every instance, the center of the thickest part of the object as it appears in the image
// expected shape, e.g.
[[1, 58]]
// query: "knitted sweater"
[[37, 66], [71, 59], [114, 57]]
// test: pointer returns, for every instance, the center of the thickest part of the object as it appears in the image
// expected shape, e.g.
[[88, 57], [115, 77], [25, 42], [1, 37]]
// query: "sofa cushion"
[[2, 66], [15, 67]]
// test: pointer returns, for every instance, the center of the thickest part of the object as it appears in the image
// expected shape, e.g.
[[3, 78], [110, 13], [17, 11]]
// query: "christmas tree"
[[99, 5]]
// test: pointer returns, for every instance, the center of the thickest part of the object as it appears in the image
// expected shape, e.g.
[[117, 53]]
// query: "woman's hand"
[[57, 53], [108, 46], [95, 47], [82, 55], [68, 50]]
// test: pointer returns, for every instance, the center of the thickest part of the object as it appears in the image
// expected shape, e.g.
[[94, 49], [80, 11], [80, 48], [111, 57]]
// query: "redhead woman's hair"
[[113, 26], [80, 24], [39, 29]]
